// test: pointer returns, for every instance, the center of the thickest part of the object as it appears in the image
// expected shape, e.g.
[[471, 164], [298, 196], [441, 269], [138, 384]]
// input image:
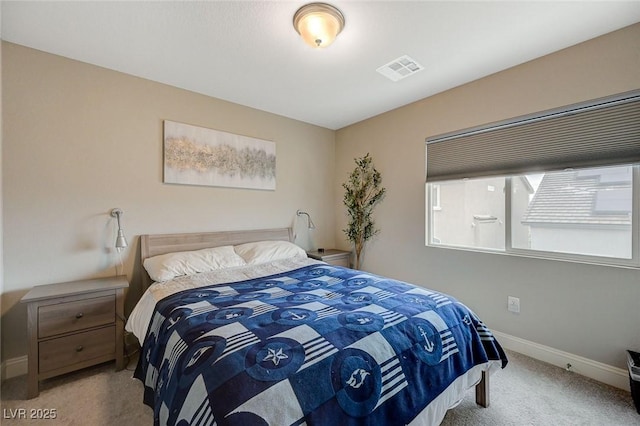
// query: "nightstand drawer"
[[332, 256], [76, 348], [340, 261], [71, 316]]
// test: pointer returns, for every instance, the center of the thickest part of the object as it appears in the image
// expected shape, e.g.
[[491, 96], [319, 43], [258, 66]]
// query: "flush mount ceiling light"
[[318, 23]]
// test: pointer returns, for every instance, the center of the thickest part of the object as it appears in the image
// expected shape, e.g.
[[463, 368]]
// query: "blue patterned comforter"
[[317, 345]]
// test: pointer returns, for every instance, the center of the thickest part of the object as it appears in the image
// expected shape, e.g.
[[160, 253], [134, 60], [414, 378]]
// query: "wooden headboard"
[[156, 244]]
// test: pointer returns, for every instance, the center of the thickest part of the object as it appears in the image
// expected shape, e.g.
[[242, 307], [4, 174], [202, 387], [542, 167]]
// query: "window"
[[435, 196], [560, 184], [470, 213], [582, 214]]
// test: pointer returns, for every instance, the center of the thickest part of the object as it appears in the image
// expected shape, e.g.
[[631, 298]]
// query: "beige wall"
[[1, 201], [80, 140], [591, 311]]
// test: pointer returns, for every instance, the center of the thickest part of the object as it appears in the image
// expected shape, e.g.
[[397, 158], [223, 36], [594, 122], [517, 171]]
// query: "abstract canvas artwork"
[[199, 156]]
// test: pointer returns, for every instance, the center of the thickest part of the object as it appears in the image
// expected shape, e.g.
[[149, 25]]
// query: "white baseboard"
[[595, 370], [13, 367]]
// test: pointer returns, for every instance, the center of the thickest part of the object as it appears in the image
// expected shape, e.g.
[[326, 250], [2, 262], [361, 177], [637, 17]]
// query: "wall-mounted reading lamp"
[[310, 223], [121, 241]]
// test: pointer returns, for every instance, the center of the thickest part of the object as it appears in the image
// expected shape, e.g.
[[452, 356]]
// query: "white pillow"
[[266, 251], [167, 266]]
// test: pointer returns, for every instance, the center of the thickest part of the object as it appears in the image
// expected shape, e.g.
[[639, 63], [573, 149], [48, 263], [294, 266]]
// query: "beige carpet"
[[527, 392]]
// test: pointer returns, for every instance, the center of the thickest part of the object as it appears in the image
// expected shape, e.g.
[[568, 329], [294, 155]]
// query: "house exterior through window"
[[583, 214]]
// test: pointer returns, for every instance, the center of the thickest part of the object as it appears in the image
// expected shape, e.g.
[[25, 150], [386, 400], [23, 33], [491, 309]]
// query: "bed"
[[240, 327]]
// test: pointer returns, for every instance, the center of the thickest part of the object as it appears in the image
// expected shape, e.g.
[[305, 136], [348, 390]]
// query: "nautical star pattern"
[[317, 345]]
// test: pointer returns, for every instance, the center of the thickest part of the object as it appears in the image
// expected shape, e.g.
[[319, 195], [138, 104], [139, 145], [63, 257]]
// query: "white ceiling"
[[247, 52]]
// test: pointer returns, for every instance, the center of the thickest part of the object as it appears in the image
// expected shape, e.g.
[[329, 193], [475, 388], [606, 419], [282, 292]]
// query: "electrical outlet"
[[513, 304]]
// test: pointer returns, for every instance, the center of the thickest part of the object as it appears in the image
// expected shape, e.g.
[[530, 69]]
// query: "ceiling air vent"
[[400, 68]]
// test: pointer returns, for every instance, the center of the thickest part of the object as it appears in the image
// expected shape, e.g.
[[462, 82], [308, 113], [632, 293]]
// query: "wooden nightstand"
[[332, 256], [74, 325]]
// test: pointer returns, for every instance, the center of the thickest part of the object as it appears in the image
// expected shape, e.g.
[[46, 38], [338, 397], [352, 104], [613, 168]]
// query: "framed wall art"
[[199, 156]]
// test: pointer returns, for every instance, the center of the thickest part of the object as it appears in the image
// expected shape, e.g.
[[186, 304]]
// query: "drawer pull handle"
[[79, 315], [79, 348]]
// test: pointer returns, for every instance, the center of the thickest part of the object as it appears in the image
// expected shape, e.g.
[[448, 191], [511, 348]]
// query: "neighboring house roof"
[[527, 184], [582, 197]]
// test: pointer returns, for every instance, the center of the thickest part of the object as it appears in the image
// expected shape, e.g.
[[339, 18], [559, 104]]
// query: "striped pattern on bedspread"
[[316, 345]]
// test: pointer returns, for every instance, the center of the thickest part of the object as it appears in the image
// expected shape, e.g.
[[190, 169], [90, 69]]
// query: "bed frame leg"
[[482, 391]]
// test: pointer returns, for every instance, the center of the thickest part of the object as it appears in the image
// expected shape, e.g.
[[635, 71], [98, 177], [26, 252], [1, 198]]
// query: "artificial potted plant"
[[363, 191]]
